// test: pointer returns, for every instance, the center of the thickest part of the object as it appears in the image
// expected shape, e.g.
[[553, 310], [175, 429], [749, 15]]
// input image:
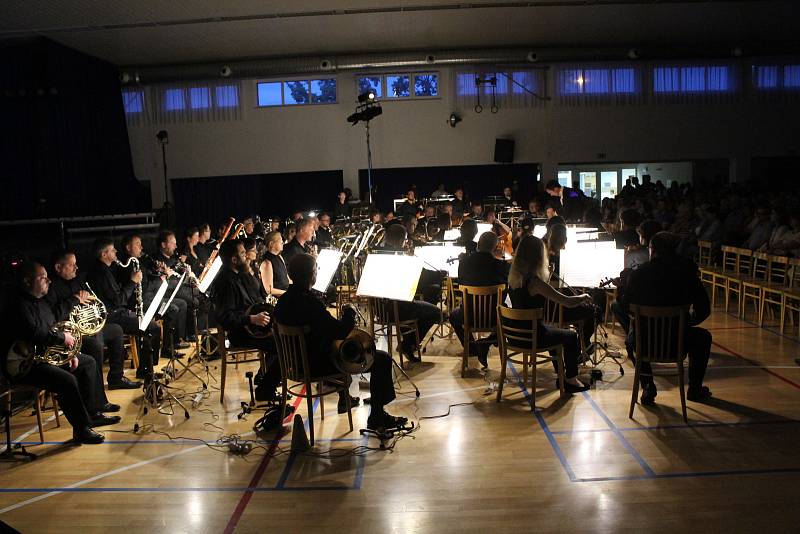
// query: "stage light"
[[162, 137], [453, 120], [368, 96]]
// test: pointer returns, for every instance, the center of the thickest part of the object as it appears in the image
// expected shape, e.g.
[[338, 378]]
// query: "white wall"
[[414, 133]]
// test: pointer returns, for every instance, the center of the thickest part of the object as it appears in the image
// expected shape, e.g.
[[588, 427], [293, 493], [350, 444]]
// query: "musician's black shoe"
[[483, 359], [382, 422], [342, 406], [571, 388], [100, 419], [109, 407], [123, 383], [649, 393], [408, 352], [265, 393], [87, 436], [698, 394]]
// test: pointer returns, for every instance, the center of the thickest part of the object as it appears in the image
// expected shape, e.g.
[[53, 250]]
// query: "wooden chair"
[[778, 276], [790, 297], [664, 342], [752, 285], [707, 269], [735, 267], [293, 357], [133, 350], [517, 333], [480, 315], [226, 353], [452, 299], [384, 322], [7, 391]]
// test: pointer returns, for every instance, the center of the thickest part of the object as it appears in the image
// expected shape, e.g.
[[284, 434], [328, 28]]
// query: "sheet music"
[[482, 227], [585, 264], [436, 256], [151, 310], [212, 273], [327, 263], [166, 304], [389, 276]]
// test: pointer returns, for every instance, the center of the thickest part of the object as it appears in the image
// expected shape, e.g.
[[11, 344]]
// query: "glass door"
[[589, 184], [608, 184]]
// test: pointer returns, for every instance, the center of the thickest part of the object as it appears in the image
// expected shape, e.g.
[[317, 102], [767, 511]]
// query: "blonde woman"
[[528, 289], [274, 274]]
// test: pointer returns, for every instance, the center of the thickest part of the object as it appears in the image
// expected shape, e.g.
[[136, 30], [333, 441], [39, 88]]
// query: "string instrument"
[[215, 252], [268, 305]]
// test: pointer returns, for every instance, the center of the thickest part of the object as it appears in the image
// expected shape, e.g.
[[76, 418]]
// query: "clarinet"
[[137, 290]]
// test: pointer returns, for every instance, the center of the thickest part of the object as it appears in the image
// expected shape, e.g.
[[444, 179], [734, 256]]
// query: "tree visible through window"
[[397, 86], [323, 91], [370, 83], [295, 92], [426, 85]]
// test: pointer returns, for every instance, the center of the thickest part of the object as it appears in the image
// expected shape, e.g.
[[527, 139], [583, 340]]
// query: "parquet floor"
[[575, 465]]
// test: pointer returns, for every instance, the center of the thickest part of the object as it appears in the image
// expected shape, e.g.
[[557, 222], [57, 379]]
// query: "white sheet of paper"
[[167, 302], [212, 273], [482, 227], [586, 264], [151, 310], [389, 276], [436, 256], [327, 264]]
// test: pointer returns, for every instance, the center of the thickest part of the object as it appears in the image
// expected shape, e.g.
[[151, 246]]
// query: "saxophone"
[[137, 292]]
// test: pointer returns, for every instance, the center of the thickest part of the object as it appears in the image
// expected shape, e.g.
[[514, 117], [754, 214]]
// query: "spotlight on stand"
[[367, 109], [368, 96]]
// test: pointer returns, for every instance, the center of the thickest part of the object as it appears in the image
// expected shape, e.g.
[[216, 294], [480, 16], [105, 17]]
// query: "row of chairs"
[[762, 280]]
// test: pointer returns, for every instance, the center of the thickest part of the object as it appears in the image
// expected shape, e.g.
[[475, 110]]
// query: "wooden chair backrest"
[[794, 274], [703, 253], [480, 305], [730, 259], [517, 329], [379, 310], [778, 269], [453, 294], [659, 332], [292, 351], [553, 313], [760, 266], [744, 260]]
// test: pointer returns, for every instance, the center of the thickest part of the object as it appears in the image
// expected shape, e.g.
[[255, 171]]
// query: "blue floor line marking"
[[360, 465], [709, 424], [178, 442], [620, 437], [170, 490], [287, 469], [544, 427]]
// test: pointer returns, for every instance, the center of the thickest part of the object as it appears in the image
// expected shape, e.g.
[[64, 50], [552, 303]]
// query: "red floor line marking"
[[776, 375], [248, 494]]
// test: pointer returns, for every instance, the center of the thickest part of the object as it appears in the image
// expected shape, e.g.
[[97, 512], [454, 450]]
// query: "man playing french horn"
[[64, 296], [74, 380]]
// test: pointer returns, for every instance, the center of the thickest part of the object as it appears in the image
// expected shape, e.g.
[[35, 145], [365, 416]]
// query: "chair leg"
[[38, 408], [310, 405], [524, 369], [635, 388], [55, 409], [683, 394], [562, 376], [284, 391], [320, 390], [349, 404], [223, 374], [503, 365], [783, 313]]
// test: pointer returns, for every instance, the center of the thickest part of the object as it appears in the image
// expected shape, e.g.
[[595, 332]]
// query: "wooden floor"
[[575, 465]]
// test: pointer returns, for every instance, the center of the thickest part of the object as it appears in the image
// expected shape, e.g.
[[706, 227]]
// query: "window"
[[133, 101], [295, 92], [692, 79], [776, 76], [397, 86], [227, 96], [200, 98], [370, 83], [597, 81], [565, 178], [174, 100], [269, 94], [426, 85], [520, 83], [323, 91], [791, 76]]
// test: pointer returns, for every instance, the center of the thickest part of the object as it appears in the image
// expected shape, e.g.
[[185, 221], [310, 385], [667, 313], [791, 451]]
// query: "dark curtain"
[[215, 199], [64, 149], [478, 181]]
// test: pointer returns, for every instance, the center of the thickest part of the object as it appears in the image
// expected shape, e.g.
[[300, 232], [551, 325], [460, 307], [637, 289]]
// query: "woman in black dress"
[[274, 275]]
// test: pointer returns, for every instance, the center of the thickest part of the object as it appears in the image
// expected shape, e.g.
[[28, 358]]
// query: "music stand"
[[328, 262], [391, 277], [584, 264]]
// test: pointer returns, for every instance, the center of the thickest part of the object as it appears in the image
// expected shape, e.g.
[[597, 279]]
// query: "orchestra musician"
[[410, 208], [189, 253], [529, 287], [440, 191], [323, 236], [168, 262], [426, 313], [117, 297], [204, 243], [176, 313], [65, 292], [341, 209], [299, 307], [31, 321], [477, 211], [234, 293], [301, 244], [508, 198], [565, 201], [468, 230], [460, 204], [480, 268], [274, 274]]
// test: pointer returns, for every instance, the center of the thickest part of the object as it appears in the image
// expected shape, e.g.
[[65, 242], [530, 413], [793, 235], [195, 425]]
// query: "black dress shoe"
[[87, 436], [408, 352], [122, 383], [483, 359], [109, 407], [649, 393], [698, 394], [342, 406], [383, 421], [100, 419], [571, 388]]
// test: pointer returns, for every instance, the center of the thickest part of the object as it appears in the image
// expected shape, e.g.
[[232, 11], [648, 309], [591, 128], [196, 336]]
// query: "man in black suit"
[[301, 244], [479, 269], [299, 307], [566, 201], [234, 293], [670, 280]]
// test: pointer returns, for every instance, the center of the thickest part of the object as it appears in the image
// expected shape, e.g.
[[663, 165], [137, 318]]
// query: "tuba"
[[355, 353], [90, 317]]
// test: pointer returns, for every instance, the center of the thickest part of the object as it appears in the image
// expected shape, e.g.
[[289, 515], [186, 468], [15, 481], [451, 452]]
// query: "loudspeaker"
[[504, 150]]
